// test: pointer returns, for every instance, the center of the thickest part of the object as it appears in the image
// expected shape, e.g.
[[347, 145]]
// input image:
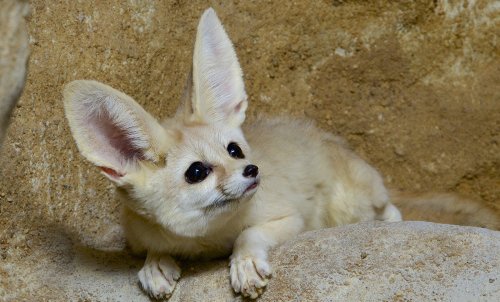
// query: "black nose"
[[251, 171]]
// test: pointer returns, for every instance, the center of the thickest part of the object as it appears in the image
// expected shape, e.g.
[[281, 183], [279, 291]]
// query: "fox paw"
[[249, 276], [159, 276]]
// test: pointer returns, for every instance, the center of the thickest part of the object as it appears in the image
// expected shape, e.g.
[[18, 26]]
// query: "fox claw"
[[249, 276], [159, 276]]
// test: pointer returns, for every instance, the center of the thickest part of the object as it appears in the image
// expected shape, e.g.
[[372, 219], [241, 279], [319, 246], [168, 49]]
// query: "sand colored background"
[[412, 85]]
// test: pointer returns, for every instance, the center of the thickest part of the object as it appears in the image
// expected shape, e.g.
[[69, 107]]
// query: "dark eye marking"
[[235, 151], [197, 172]]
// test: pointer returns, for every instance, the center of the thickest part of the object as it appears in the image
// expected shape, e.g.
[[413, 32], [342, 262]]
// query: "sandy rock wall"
[[412, 85], [14, 54]]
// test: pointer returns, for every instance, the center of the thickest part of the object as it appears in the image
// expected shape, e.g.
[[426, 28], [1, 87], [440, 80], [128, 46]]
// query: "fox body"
[[200, 185]]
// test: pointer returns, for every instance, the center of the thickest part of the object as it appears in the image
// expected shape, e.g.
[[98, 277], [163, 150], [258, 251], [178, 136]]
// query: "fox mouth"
[[227, 200], [251, 187]]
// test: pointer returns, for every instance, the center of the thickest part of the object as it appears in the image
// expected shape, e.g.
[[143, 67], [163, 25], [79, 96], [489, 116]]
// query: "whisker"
[[221, 200]]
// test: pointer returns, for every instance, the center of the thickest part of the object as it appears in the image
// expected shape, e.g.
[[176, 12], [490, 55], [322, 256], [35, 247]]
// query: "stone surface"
[[409, 261], [412, 85], [14, 52]]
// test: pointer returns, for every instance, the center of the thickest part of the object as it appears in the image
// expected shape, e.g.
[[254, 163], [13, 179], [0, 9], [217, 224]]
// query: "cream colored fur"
[[308, 179]]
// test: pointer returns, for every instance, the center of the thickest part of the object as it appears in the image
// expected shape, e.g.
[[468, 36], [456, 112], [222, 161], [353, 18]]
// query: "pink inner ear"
[[113, 140], [117, 137], [111, 172], [238, 107]]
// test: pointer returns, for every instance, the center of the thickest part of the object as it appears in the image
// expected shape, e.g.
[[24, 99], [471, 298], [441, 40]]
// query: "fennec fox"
[[196, 186]]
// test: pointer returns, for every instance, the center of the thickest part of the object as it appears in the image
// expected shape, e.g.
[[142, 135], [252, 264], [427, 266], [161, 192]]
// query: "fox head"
[[189, 173]]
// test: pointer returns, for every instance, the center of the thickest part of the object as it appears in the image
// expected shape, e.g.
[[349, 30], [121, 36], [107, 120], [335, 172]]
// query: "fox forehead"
[[207, 143]]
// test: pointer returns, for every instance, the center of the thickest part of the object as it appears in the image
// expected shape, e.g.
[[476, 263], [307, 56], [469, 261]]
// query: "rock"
[[14, 54], [408, 261]]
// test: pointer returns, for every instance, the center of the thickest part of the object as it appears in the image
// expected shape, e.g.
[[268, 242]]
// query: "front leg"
[[159, 276], [250, 270]]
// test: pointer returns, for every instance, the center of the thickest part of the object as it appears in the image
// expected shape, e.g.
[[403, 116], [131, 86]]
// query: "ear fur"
[[216, 90], [110, 129]]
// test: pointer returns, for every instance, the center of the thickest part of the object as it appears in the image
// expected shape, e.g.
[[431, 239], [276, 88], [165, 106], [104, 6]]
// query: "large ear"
[[111, 129], [216, 89]]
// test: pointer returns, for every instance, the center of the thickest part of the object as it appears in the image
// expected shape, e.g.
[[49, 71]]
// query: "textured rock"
[[14, 52], [372, 262], [410, 261]]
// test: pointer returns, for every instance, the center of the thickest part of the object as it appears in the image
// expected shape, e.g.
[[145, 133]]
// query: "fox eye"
[[235, 151], [197, 172]]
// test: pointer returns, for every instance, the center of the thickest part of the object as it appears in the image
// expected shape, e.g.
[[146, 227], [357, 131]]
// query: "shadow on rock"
[[82, 269]]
